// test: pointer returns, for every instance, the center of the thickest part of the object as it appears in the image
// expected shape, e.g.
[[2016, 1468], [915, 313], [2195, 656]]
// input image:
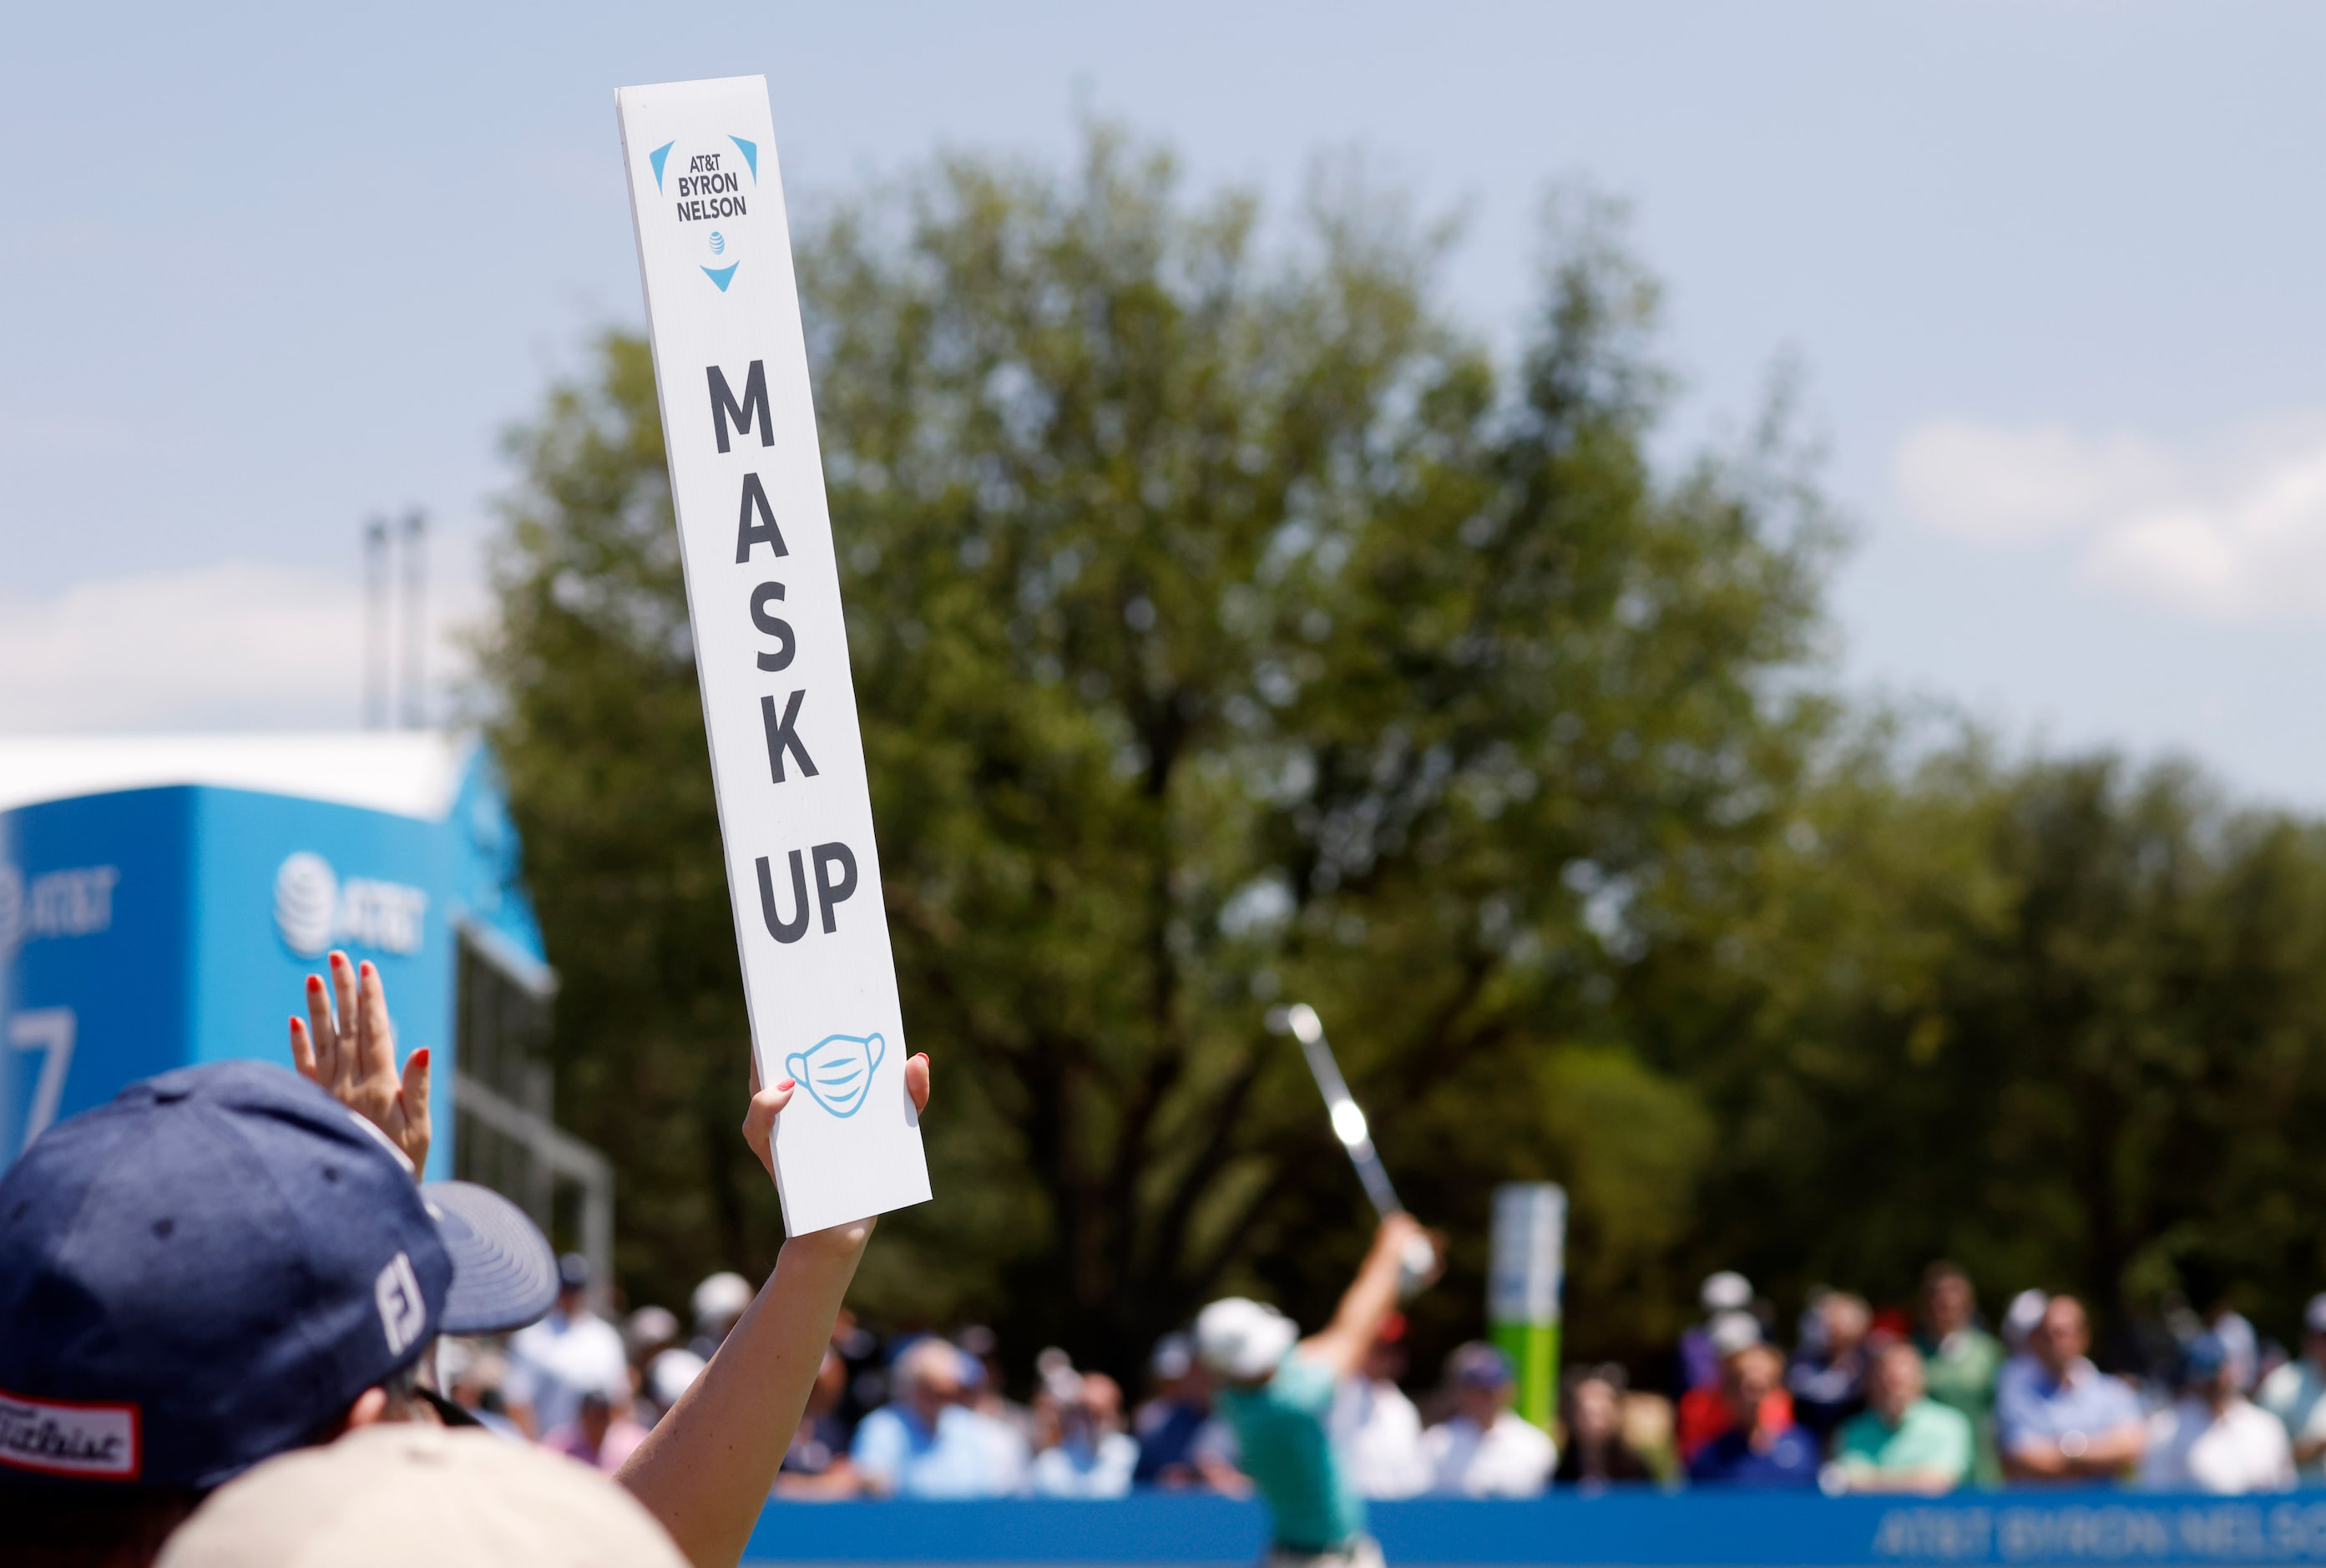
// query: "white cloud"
[[2232, 528], [237, 645]]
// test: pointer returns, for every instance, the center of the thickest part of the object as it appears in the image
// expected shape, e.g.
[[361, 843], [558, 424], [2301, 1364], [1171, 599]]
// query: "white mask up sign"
[[770, 648]]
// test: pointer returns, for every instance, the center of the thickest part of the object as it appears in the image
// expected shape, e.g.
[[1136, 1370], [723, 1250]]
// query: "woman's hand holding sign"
[[351, 1053], [768, 1104], [710, 1462]]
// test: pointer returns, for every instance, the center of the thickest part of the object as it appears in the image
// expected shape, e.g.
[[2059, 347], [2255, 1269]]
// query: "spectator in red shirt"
[[1705, 1413]]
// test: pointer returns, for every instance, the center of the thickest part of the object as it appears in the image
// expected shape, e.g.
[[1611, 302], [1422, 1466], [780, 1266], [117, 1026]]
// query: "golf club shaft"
[[1327, 1071]]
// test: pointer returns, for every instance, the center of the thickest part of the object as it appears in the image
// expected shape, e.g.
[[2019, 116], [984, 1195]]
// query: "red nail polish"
[[785, 1085]]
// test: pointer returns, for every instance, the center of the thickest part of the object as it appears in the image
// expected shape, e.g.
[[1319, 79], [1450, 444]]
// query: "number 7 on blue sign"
[[51, 1030]]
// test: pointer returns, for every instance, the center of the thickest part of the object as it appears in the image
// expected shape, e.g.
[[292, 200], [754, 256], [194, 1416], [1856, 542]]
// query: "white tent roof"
[[410, 772]]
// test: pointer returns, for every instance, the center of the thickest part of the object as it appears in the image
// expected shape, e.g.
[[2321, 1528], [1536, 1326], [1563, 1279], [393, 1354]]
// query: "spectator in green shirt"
[[1962, 1359], [1904, 1442]]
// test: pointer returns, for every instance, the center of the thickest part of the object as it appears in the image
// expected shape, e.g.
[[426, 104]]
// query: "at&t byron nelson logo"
[[706, 186], [313, 908]]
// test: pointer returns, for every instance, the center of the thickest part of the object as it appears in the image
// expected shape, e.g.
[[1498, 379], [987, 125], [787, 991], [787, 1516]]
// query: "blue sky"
[[2051, 270]]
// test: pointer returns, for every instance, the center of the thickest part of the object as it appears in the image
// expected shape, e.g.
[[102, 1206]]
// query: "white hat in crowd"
[[1174, 1354], [720, 1299], [485, 1501], [1725, 1291], [1242, 1339], [1733, 1332], [672, 1374], [2019, 1317]]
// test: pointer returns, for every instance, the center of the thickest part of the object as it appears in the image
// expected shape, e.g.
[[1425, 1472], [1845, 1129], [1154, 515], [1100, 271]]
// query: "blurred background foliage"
[[1231, 626]]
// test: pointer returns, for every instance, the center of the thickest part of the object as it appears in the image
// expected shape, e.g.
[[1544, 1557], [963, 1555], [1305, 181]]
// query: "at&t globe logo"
[[306, 897], [313, 908]]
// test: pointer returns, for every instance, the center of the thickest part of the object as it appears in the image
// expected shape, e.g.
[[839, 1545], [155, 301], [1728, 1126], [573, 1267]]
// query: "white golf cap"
[[2314, 1316], [1725, 1291], [2019, 1319], [722, 1298], [1174, 1354], [1242, 1339], [457, 1498], [1731, 1331]]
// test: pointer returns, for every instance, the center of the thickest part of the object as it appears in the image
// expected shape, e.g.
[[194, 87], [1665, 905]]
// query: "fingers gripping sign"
[[768, 1104], [347, 1046]]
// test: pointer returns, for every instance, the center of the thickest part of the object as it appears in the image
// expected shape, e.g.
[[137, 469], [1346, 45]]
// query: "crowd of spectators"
[[1926, 1401], [1936, 1400]]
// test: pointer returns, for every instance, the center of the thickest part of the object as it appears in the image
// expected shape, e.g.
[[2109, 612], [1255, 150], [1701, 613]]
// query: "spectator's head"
[[573, 1283], [2208, 1370], [648, 1332], [1242, 1341], [674, 1372], [2314, 1329], [1594, 1408], [831, 1384], [1948, 1302], [929, 1377], [718, 1301], [1102, 1403], [1842, 1321], [1725, 1291], [595, 1418], [221, 1265], [1385, 1356], [1169, 1367], [1895, 1381], [982, 1347], [450, 1500], [2061, 1335], [1731, 1331], [470, 1373], [2021, 1318], [1748, 1376], [1481, 1381]]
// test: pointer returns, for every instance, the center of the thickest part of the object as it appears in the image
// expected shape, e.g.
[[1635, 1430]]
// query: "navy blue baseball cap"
[[209, 1270]]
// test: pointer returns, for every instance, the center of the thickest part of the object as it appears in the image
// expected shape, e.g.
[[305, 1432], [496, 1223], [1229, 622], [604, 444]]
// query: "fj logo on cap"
[[66, 1438], [403, 1312]]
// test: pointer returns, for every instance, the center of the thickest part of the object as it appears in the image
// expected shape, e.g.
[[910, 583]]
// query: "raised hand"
[[349, 1051], [707, 1467], [768, 1104]]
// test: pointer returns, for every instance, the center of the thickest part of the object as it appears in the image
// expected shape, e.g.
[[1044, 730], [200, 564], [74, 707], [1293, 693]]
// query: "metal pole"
[[375, 694], [416, 618]]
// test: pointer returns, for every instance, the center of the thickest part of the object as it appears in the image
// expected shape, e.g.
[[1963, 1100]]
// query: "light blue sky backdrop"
[[2053, 271]]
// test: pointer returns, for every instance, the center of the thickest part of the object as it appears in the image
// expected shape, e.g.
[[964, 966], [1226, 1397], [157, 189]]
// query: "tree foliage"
[[2064, 1021], [1230, 627]]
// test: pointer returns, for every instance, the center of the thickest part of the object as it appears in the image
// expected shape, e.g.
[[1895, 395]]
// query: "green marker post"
[[1522, 1289]]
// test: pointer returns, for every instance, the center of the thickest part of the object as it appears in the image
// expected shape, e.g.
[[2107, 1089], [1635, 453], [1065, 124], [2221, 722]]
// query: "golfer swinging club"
[[1277, 1388]]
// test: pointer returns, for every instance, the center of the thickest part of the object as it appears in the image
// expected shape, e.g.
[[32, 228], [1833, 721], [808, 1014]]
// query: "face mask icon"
[[838, 1069]]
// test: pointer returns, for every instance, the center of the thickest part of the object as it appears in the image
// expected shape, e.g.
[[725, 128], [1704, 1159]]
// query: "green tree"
[[2062, 1020], [1228, 628]]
